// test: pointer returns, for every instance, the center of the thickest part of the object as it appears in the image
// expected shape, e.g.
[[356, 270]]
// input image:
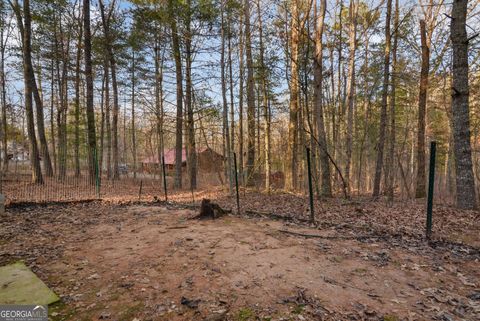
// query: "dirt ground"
[[110, 261]]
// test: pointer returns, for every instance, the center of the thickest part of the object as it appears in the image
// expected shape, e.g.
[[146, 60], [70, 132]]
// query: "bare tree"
[[265, 100], [191, 146], [383, 115], [241, 72], [106, 21], [250, 96], [353, 13], [226, 131], [391, 147], [5, 30], [326, 185], [91, 134], [25, 28], [292, 161], [77, 97], [460, 93], [422, 103]]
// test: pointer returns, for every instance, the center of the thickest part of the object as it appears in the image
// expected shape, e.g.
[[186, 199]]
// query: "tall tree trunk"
[[230, 77], [92, 139], [466, 197], [366, 109], [108, 126], [47, 163], [353, 10], [52, 114], [25, 30], [114, 124], [250, 98], [265, 102], [3, 93], [61, 56], [102, 127], [292, 161], [134, 140], [44, 151], [326, 183], [383, 114], [77, 101], [422, 103], [240, 98], [113, 69], [191, 152], [339, 99], [179, 79], [391, 147], [226, 130], [159, 100], [334, 108]]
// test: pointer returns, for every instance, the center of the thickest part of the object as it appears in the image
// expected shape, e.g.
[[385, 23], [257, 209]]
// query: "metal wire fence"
[[75, 185]]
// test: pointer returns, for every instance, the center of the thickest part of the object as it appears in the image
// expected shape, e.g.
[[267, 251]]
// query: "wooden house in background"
[[207, 160]]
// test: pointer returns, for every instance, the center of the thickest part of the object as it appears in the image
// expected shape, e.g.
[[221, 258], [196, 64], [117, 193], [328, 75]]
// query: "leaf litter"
[[147, 261]]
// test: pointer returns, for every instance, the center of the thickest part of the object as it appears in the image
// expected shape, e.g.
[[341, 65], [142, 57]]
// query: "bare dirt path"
[[136, 262]]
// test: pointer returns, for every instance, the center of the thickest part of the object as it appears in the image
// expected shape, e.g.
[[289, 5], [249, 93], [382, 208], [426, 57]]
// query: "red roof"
[[169, 155]]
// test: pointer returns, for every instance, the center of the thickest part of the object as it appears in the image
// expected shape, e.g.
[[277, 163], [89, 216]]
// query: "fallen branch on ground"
[[329, 237]]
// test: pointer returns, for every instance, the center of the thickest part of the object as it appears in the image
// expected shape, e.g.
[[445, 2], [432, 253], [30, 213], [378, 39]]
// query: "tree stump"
[[209, 210]]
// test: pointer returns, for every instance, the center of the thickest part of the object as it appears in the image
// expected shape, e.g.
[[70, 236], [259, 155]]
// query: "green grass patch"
[[298, 309], [244, 314], [129, 313]]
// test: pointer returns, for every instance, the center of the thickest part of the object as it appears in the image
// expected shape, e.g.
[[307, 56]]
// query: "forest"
[[365, 85], [318, 135]]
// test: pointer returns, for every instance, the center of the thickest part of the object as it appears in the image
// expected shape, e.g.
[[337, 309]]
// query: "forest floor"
[[148, 261]]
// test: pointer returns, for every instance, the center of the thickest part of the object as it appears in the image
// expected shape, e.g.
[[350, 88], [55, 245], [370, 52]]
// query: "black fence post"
[[236, 182], [164, 178], [431, 186], [140, 190], [310, 187], [97, 174]]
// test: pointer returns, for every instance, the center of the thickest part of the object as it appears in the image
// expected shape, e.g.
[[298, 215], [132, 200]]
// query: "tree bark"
[[292, 160], [326, 183], [230, 77], [265, 101], [250, 98], [353, 10], [134, 139], [466, 197], [3, 90], [61, 58], [240, 98], [420, 191], [113, 69], [108, 126], [25, 30], [159, 100], [91, 134], [391, 147], [226, 130], [179, 80], [383, 114], [77, 100], [52, 114], [192, 150]]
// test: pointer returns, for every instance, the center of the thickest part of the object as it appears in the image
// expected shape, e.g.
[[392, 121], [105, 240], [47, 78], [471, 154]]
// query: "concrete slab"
[[19, 285]]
